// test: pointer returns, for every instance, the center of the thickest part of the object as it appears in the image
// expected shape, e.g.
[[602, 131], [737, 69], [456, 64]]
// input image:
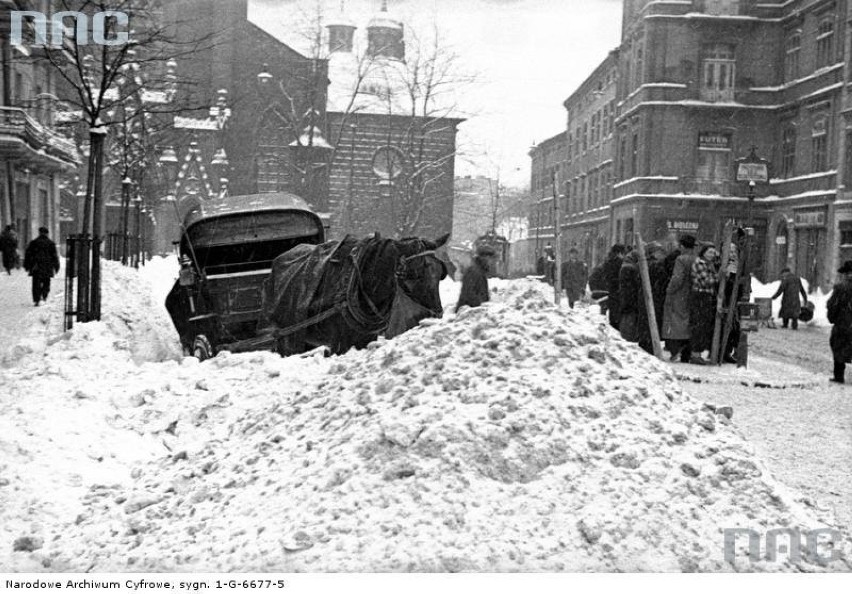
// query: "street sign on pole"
[[752, 169]]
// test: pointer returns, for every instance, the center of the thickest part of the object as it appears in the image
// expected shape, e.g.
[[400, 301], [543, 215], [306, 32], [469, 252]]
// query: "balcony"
[[23, 138]]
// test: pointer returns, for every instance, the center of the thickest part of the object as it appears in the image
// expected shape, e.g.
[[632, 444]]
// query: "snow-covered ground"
[[513, 437]]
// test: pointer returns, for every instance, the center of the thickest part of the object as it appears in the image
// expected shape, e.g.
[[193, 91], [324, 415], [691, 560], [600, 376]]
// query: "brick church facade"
[[265, 124]]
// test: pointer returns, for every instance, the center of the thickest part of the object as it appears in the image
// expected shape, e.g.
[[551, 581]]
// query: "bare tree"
[[99, 80], [420, 96]]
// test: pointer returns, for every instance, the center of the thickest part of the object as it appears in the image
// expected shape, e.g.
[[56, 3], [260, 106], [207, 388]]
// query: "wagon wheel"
[[201, 348]]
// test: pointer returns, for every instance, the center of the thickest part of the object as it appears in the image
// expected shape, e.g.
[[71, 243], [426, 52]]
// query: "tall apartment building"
[[33, 156], [549, 160], [699, 84], [588, 178]]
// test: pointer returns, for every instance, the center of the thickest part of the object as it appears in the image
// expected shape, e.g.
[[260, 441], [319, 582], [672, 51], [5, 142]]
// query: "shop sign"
[[682, 225], [814, 218], [714, 140]]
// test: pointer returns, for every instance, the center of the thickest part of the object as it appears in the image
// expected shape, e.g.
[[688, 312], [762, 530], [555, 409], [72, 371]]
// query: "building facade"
[[34, 157], [549, 160], [699, 85], [587, 183]]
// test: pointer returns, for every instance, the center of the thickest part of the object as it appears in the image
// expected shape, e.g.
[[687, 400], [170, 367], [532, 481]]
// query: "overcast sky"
[[529, 55]]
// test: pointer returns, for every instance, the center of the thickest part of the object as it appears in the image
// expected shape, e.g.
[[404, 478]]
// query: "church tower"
[[385, 36], [341, 32]]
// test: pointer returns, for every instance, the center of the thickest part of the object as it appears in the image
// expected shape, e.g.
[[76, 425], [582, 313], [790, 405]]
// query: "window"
[[788, 152], [387, 163], [722, 7], [714, 157], [819, 144], [622, 157], [585, 136], [605, 121], [612, 116], [718, 70], [273, 158], [847, 171], [846, 234], [634, 157], [793, 45], [825, 42], [639, 70]]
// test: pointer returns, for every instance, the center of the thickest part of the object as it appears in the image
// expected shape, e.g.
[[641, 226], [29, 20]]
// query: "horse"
[[345, 294]]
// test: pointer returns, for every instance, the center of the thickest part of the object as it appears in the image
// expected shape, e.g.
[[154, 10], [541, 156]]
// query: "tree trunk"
[[125, 227], [84, 289]]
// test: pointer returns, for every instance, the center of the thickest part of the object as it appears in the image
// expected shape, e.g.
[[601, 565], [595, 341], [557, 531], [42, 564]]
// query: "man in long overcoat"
[[789, 291], [611, 270], [574, 277], [839, 309], [630, 293], [9, 248], [676, 310], [474, 289], [42, 262]]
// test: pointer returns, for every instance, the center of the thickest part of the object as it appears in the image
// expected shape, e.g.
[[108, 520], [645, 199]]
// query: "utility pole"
[[557, 239]]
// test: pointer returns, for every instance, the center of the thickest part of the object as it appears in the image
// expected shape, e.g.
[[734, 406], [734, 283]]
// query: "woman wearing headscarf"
[[702, 301]]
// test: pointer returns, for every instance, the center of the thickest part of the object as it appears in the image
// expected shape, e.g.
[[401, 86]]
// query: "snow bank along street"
[[512, 437]]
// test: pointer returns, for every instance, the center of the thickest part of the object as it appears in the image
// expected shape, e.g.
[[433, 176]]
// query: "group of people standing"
[[684, 291], [41, 259]]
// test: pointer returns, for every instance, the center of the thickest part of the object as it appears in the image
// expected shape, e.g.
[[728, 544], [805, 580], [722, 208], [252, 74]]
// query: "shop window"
[[718, 72], [819, 145], [825, 42], [793, 45], [846, 234], [788, 152]]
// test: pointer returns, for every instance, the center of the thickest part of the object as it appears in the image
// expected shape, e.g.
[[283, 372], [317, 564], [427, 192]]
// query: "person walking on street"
[[791, 287], [42, 262], [474, 287], [574, 277], [676, 308], [702, 302], [9, 248], [839, 309]]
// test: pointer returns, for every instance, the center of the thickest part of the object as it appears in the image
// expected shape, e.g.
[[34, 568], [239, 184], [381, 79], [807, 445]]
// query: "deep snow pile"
[[62, 401], [510, 437]]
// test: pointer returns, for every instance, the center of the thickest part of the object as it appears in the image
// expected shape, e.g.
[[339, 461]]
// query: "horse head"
[[420, 271]]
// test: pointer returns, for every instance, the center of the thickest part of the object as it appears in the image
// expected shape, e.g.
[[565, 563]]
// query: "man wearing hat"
[[474, 289], [839, 309], [42, 262], [575, 274]]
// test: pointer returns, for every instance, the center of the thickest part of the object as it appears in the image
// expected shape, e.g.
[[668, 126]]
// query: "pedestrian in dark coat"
[[657, 273], [702, 302], [474, 289], [611, 270], [574, 277], [789, 291], [676, 309], [9, 248], [839, 309], [42, 262], [630, 293]]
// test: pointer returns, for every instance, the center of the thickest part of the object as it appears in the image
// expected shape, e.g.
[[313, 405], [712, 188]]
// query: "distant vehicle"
[[500, 245], [226, 252]]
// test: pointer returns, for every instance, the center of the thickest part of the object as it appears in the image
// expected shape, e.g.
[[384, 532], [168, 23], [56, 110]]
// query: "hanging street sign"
[[752, 169]]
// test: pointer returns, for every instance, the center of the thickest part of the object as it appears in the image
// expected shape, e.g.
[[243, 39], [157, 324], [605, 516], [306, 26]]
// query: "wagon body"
[[227, 249]]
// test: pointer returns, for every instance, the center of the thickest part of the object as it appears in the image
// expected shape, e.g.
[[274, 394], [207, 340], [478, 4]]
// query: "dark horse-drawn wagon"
[[256, 274]]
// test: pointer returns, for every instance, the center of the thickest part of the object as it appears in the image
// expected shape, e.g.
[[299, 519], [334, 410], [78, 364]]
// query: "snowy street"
[[510, 437]]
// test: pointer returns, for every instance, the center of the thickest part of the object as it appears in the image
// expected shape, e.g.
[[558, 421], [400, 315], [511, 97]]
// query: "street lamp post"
[[753, 170]]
